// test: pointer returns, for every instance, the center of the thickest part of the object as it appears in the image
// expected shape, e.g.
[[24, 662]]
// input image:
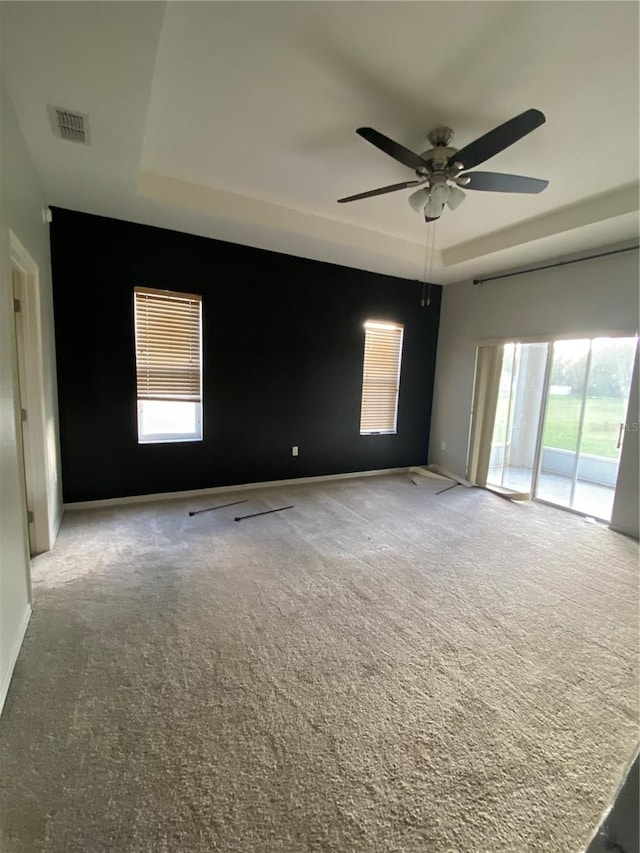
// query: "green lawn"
[[603, 416]]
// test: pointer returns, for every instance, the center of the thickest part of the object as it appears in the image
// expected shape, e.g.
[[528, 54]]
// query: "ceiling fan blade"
[[495, 182], [390, 189], [393, 149], [498, 139]]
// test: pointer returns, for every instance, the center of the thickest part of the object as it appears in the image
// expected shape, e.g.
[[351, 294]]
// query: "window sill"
[[170, 440]]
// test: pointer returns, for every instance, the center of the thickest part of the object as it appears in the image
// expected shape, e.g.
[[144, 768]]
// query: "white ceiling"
[[236, 120]]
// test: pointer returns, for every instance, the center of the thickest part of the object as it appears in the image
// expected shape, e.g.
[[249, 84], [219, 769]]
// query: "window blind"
[[168, 345], [381, 377]]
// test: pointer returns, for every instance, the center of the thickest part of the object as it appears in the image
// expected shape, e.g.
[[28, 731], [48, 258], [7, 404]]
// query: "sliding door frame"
[[485, 404], [583, 409], [542, 421]]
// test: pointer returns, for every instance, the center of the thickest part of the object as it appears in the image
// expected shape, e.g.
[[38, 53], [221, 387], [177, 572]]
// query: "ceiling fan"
[[442, 170]]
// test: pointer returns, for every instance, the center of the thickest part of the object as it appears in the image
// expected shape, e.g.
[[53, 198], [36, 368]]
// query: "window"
[[380, 377], [168, 330]]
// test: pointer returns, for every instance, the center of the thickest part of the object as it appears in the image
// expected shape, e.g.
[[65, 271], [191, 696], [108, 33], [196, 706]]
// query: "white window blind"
[[168, 345], [381, 377]]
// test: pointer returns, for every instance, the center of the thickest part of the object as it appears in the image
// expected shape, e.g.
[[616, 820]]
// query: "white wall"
[[21, 203], [626, 509], [586, 298]]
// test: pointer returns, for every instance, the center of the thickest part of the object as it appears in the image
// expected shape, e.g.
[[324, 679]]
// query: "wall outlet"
[[443, 445], [294, 450]]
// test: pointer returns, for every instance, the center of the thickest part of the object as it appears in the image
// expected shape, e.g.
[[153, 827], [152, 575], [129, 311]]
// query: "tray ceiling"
[[236, 120]]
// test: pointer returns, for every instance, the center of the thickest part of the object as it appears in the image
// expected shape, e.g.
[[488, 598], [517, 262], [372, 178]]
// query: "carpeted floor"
[[378, 669]]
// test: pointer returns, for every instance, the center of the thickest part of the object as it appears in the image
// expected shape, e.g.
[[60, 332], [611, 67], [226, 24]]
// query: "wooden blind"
[[381, 376], [168, 345]]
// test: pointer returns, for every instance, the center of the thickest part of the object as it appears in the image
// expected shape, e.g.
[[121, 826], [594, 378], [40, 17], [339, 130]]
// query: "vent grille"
[[69, 125]]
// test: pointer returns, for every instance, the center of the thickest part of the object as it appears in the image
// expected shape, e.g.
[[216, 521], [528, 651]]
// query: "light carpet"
[[378, 669]]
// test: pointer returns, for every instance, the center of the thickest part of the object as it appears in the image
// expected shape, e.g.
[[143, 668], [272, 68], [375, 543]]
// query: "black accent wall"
[[283, 345]]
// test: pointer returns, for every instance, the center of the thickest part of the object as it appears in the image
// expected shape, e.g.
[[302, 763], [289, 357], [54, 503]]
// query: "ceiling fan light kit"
[[442, 170]]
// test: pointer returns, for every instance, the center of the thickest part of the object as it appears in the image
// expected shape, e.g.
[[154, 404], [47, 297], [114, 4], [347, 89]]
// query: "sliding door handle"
[[620, 431]]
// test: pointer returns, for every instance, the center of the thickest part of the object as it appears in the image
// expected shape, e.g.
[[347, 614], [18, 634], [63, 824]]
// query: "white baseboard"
[[15, 651], [167, 496]]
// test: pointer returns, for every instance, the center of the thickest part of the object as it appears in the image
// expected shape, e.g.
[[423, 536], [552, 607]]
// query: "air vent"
[[69, 125]]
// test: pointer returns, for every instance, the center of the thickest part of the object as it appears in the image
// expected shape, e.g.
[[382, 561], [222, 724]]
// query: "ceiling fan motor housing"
[[441, 175], [439, 157], [440, 136]]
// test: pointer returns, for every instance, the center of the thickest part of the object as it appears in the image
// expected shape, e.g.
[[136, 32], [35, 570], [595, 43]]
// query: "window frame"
[[389, 325], [166, 437]]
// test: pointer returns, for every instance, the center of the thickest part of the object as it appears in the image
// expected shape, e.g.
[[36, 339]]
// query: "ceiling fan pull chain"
[[426, 256], [433, 243], [429, 247]]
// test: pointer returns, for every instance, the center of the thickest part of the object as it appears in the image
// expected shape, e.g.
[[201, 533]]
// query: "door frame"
[[36, 454], [486, 382]]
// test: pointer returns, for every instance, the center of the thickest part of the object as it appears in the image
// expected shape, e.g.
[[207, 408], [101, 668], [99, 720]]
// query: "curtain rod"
[[557, 264]]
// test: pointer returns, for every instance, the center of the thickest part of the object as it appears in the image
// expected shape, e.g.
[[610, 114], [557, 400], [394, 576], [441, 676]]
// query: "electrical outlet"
[[443, 445], [294, 450]]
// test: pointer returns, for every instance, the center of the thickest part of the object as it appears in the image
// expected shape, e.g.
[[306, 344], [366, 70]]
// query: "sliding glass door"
[[564, 410], [549, 420], [515, 432], [584, 424]]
